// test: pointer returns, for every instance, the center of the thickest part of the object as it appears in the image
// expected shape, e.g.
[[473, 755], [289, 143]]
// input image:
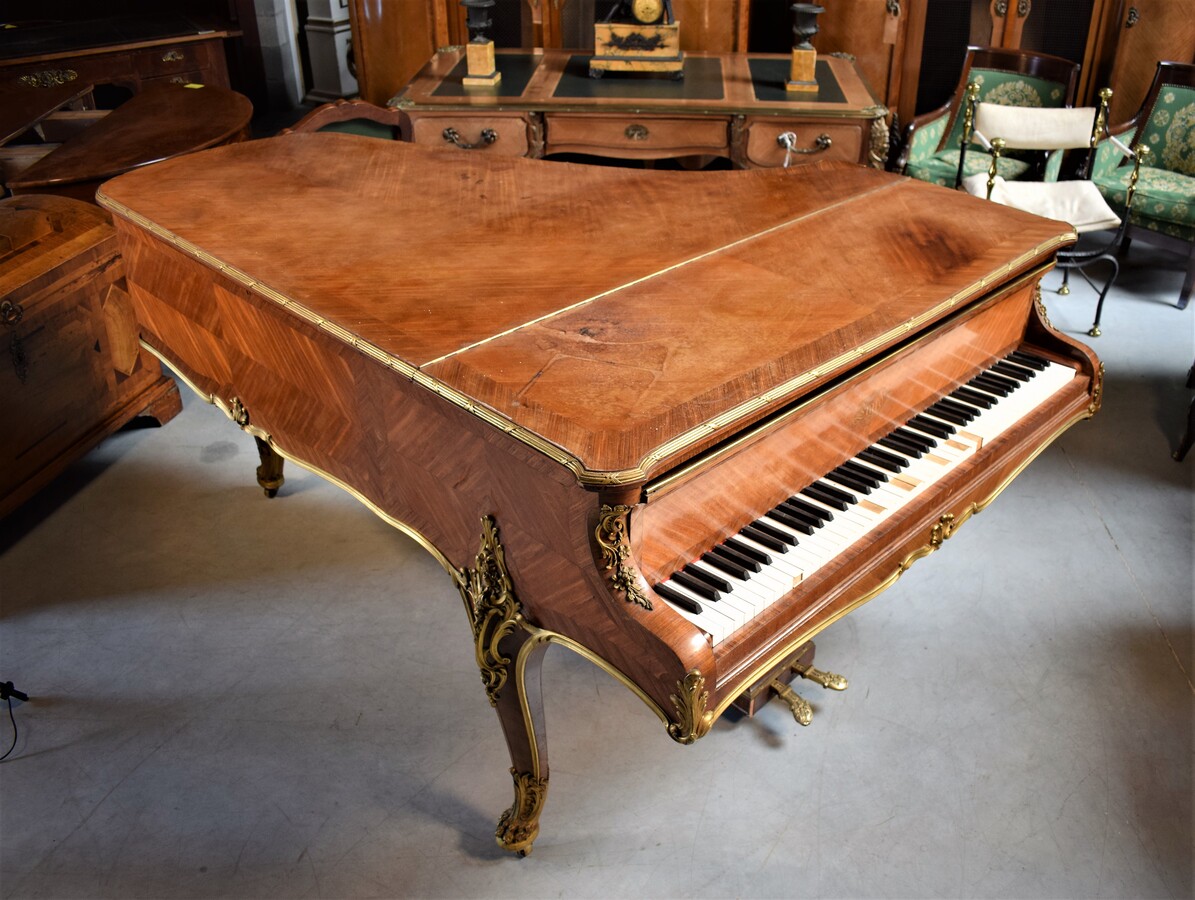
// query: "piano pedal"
[[825, 679], [800, 707]]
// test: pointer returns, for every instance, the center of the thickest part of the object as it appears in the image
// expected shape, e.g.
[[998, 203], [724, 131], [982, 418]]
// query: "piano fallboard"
[[567, 382]]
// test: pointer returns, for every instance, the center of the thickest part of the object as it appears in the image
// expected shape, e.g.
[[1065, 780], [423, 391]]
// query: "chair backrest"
[[355, 117], [1011, 78], [1167, 127], [1036, 129]]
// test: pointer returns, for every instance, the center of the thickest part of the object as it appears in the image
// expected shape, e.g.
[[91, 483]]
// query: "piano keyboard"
[[735, 581]]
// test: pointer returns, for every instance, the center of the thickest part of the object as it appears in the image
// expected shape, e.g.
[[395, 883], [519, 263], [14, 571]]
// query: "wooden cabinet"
[[72, 369], [1140, 34], [729, 105]]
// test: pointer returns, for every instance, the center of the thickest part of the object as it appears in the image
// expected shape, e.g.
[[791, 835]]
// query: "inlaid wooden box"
[[71, 368]]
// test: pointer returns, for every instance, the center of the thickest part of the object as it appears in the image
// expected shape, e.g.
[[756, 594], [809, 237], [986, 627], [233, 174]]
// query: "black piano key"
[[916, 438], [723, 564], [822, 515], [953, 416], [961, 408], [762, 537], [1010, 371], [975, 398], [816, 491], [937, 429], [739, 547], [866, 471], [747, 563], [698, 587], [992, 387], [796, 524], [848, 481], [1028, 359], [1011, 383], [772, 531], [884, 459], [718, 584], [676, 597], [893, 442], [859, 474]]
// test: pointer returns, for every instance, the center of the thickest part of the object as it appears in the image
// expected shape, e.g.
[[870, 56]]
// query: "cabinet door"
[[873, 32], [1148, 31]]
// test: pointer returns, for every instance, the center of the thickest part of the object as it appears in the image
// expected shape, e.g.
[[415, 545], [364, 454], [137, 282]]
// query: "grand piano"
[[676, 422]]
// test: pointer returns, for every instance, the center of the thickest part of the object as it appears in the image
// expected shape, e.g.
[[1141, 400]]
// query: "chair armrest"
[[922, 136], [1108, 156]]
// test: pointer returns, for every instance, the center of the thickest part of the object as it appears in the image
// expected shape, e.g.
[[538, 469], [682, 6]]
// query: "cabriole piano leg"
[[509, 658]]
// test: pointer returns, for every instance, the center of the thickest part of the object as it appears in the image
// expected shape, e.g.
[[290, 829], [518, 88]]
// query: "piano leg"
[[521, 713], [269, 473], [509, 656]]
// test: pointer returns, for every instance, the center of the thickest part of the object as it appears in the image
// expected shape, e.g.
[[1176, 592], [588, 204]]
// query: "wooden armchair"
[[1006, 77], [1164, 210], [355, 117]]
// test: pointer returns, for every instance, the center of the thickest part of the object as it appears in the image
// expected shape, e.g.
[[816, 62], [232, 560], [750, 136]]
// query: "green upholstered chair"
[[1006, 77], [355, 117], [1163, 210]]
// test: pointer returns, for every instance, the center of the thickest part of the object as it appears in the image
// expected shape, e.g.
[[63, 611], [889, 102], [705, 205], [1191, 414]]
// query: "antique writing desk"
[[728, 105], [570, 383]]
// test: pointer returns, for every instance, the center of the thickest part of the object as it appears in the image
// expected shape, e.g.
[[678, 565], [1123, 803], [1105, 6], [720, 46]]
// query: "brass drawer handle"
[[488, 136], [788, 140], [10, 313], [636, 132], [172, 56], [49, 78]]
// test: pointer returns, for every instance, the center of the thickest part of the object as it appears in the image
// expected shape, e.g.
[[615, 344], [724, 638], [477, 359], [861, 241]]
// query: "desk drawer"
[[845, 140], [637, 137], [494, 134]]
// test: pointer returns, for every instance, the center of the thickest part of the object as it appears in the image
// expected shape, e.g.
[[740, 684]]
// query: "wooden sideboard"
[[727, 105], [125, 52]]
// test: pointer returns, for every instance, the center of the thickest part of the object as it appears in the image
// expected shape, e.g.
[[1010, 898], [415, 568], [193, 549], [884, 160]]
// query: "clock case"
[[626, 43]]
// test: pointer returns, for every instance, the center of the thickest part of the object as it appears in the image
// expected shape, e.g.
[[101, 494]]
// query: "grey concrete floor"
[[235, 697]]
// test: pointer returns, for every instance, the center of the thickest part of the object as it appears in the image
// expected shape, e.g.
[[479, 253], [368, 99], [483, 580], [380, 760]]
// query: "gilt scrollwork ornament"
[[48, 78], [1097, 392], [237, 412], [492, 607], [878, 151], [693, 718], [519, 825], [611, 537], [943, 530], [1040, 305]]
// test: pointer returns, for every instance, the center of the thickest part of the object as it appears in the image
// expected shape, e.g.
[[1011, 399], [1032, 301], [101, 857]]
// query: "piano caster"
[[269, 473], [800, 707], [826, 679]]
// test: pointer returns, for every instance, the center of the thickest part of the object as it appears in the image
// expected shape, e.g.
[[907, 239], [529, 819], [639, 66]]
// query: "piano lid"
[[618, 319]]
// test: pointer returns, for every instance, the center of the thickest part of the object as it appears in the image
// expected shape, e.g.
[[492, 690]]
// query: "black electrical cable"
[[7, 692], [13, 719]]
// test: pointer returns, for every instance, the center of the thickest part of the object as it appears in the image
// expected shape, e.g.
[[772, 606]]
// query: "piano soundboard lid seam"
[[584, 475], [947, 525]]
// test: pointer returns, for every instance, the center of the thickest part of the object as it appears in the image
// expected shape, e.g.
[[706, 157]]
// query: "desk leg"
[[269, 473], [509, 658]]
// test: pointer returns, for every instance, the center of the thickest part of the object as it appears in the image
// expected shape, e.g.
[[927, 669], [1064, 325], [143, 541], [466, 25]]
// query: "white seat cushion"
[[1078, 203]]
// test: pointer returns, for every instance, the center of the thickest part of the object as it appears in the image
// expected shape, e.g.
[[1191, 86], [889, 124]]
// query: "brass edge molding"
[[610, 534], [942, 530], [266, 438], [492, 607], [1040, 306], [584, 475], [1097, 391]]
